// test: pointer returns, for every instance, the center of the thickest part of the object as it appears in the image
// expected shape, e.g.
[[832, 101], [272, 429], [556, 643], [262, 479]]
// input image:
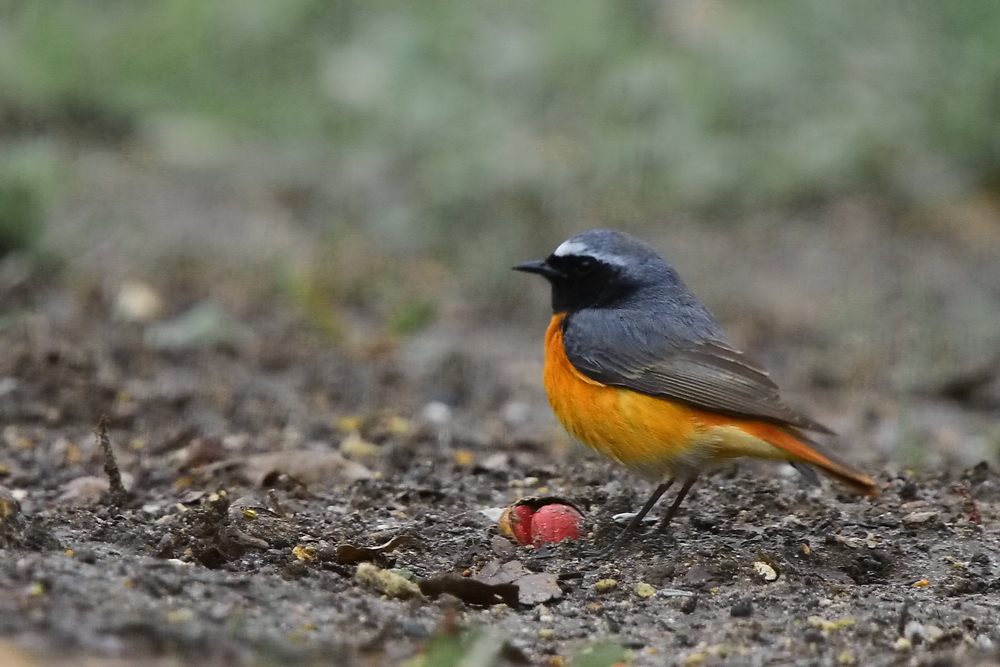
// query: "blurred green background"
[[457, 125]]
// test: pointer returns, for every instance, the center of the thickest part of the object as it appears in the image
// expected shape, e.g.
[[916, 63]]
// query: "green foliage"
[[20, 216], [473, 647], [605, 653], [412, 316]]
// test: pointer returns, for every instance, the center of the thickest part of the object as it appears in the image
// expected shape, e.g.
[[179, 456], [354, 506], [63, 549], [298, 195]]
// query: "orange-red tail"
[[807, 451]]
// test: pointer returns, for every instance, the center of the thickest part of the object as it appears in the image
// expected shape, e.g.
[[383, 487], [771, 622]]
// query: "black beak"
[[541, 267]]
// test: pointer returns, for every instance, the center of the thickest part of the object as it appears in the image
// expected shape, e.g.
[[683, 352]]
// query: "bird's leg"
[[688, 483], [624, 536]]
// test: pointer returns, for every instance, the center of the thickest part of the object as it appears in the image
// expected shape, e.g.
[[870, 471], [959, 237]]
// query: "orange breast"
[[651, 436]]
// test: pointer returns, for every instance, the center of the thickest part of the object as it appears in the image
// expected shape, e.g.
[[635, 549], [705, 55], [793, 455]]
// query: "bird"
[[639, 370]]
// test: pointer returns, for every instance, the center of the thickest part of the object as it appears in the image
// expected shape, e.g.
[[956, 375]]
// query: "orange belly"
[[652, 437]]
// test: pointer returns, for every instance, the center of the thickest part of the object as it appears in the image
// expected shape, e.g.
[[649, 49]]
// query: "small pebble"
[[742, 609], [933, 633], [914, 630]]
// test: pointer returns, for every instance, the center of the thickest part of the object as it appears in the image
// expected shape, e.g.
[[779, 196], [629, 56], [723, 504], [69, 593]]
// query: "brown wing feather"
[[709, 376]]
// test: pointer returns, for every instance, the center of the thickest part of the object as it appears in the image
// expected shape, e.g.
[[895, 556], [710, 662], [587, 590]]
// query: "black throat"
[[586, 283]]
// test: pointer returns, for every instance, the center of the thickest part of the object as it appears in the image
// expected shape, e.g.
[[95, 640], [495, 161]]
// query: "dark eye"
[[584, 266]]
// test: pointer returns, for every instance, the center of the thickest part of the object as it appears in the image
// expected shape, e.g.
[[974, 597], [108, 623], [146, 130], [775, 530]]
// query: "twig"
[[970, 504], [118, 494]]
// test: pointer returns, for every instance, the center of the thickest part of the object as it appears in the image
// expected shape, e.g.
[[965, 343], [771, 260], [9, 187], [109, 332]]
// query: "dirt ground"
[[265, 464]]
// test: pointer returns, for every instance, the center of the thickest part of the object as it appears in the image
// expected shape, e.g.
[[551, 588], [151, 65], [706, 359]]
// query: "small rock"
[[919, 517], [138, 302], [623, 518], [932, 633], [742, 608], [697, 574], [914, 631], [903, 644], [493, 514], [436, 412]]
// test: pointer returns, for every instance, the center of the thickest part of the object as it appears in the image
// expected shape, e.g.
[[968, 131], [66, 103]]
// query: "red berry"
[[555, 522]]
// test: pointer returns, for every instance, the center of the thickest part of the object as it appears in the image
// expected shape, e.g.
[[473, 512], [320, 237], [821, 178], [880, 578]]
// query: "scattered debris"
[[971, 508], [387, 582], [821, 623], [10, 518], [305, 552]]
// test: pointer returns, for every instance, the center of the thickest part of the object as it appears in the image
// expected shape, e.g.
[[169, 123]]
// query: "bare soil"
[[225, 550]]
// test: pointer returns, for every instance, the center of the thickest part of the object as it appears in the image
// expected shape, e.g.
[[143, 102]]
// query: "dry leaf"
[[307, 466], [470, 591], [538, 588]]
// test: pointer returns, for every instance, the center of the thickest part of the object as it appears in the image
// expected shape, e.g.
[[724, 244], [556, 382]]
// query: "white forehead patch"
[[572, 248], [578, 248]]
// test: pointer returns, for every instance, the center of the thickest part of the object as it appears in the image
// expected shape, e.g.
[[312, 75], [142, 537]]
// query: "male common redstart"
[[638, 369]]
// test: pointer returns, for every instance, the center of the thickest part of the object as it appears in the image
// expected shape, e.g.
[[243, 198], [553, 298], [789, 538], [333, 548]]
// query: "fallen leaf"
[[470, 591], [204, 325], [697, 574], [88, 489], [351, 554], [307, 466], [538, 587], [496, 572], [498, 462]]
